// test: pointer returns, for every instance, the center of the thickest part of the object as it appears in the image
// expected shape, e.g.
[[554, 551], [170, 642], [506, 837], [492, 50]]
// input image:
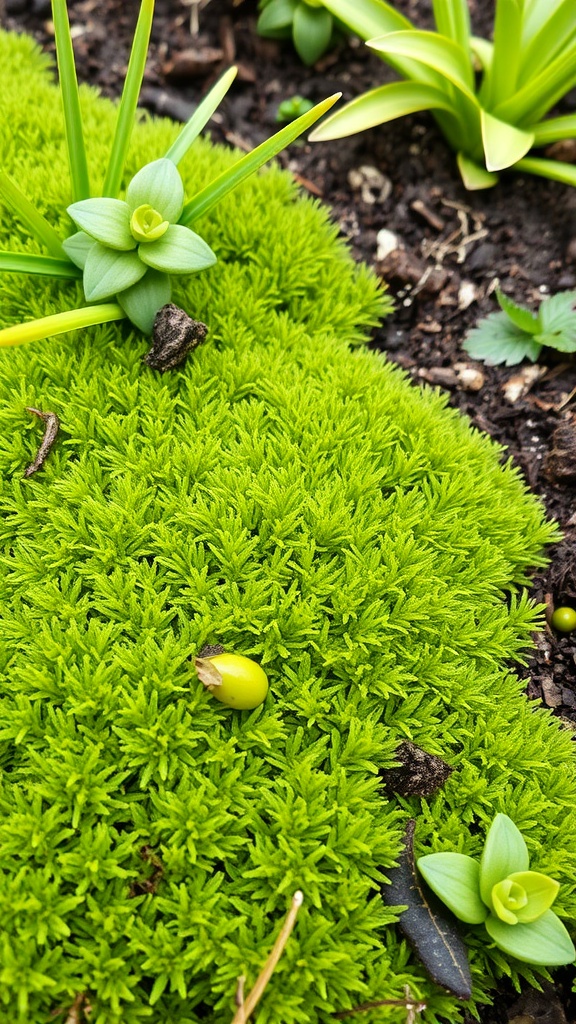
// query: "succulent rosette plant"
[[502, 893]]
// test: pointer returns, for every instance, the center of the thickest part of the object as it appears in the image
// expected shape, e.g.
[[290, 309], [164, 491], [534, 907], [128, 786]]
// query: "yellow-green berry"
[[234, 680], [564, 619]]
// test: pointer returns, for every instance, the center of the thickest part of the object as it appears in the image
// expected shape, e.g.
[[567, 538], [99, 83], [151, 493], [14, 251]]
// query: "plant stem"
[[30, 216], [59, 323], [71, 102]]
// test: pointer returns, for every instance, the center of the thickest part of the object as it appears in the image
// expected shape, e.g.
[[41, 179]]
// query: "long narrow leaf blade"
[[503, 144], [71, 102], [230, 179], [500, 80], [28, 263], [446, 57], [473, 176], [60, 323], [200, 117], [453, 20], [385, 103], [554, 35], [535, 99], [554, 130], [129, 101], [30, 217], [556, 170]]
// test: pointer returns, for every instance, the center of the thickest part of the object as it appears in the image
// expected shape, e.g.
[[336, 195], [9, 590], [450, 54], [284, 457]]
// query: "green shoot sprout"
[[517, 333], [501, 893], [126, 250], [308, 22]]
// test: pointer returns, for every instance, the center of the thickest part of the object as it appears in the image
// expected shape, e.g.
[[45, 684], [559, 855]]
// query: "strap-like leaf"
[[28, 263], [550, 36], [385, 103], [60, 323], [235, 175], [500, 79], [71, 102], [534, 100], [443, 55], [503, 144], [129, 101], [473, 175], [556, 170], [30, 217], [554, 130], [200, 117], [453, 20]]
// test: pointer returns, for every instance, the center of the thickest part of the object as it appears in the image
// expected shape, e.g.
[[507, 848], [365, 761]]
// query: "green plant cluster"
[[300, 504], [516, 333], [307, 22]]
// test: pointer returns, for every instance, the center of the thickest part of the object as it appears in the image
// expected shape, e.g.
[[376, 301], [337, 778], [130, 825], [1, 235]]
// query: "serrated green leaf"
[[557, 313], [455, 878], [504, 852], [105, 220], [503, 144], [158, 185], [473, 175], [562, 341], [496, 340], [544, 942], [179, 251], [519, 315], [311, 32], [109, 271], [77, 248], [385, 103], [142, 301], [276, 15]]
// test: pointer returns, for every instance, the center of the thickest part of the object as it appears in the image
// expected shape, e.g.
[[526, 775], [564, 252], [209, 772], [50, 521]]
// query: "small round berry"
[[564, 619], [234, 680]]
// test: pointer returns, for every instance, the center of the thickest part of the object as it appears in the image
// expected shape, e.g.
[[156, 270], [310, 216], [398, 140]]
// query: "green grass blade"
[[534, 100], [200, 117], [444, 56], [129, 101], [499, 82], [555, 170], [535, 15], [483, 51], [385, 103], [557, 32], [230, 179], [71, 102], [453, 20], [28, 263], [554, 130], [30, 217], [59, 323]]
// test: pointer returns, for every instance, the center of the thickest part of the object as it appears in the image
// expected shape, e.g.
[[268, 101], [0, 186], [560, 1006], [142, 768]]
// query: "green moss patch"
[[295, 501]]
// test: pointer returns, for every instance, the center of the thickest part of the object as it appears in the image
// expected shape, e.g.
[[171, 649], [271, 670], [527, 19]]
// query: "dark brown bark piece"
[[428, 925], [419, 773], [210, 651], [174, 335], [52, 426], [561, 461]]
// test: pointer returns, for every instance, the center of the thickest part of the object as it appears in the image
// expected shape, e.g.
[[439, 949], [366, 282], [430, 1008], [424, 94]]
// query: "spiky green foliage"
[[299, 503]]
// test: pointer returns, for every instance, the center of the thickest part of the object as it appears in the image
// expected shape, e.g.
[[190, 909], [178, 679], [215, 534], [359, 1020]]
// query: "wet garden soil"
[[447, 252]]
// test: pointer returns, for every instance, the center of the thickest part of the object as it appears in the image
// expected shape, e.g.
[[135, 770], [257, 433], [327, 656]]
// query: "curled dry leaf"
[[430, 929], [207, 672]]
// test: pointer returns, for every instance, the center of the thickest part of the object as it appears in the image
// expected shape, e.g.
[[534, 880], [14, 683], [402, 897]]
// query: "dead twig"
[[411, 1006], [50, 434]]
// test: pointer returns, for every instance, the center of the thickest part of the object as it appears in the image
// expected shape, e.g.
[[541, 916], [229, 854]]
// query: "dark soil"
[[454, 247]]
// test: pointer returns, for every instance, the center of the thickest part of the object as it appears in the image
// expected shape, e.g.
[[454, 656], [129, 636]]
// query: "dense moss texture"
[[296, 501]]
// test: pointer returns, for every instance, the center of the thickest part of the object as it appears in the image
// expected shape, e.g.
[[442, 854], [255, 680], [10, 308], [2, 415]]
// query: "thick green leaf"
[[60, 323], [534, 100], [557, 313], [30, 216], [378, 106], [235, 175], [179, 251], [544, 942], [129, 101], [554, 130], [500, 79], [504, 852], [311, 32], [453, 20], [503, 144], [455, 879], [71, 102], [276, 15], [540, 890], [524, 318], [142, 301], [159, 185], [496, 340], [77, 248], [555, 32], [473, 175], [483, 51], [427, 924], [108, 271], [28, 263], [106, 220], [445, 56], [200, 117], [556, 170]]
